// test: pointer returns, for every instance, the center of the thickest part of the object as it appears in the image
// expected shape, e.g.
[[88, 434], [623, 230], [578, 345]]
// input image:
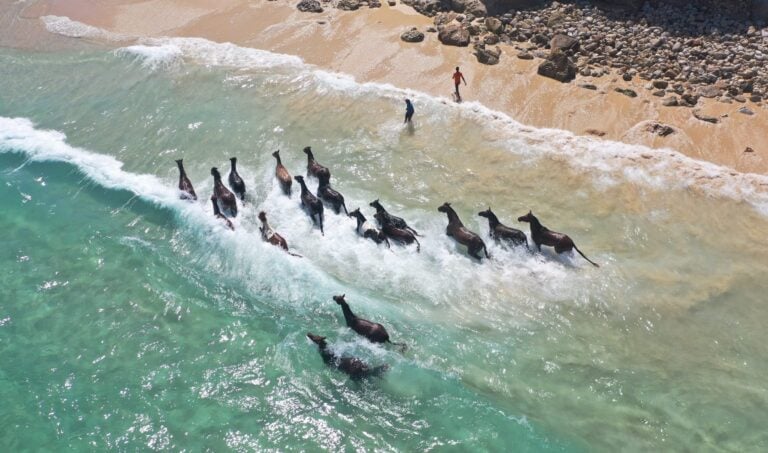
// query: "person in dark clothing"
[[408, 111]]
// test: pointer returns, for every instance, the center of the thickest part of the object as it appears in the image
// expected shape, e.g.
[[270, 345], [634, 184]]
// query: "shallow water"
[[133, 319]]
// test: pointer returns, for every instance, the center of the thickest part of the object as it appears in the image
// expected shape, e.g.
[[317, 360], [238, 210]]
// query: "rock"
[[660, 93], [487, 56], [525, 56], [739, 98], [595, 132], [454, 34], [540, 40], [491, 39], [309, 6], [348, 5], [565, 43], [660, 84], [627, 77], [626, 92], [660, 129], [412, 35], [588, 86], [391, 2], [749, 150], [428, 7], [755, 98], [688, 100], [670, 101], [746, 111], [493, 25], [473, 7], [709, 91], [558, 66], [700, 116]]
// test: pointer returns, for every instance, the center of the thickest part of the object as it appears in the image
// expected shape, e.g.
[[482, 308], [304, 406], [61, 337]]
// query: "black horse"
[[384, 218], [352, 366], [543, 235], [313, 168], [461, 234], [373, 331], [225, 198], [501, 232], [235, 181], [185, 185], [311, 204], [334, 198]]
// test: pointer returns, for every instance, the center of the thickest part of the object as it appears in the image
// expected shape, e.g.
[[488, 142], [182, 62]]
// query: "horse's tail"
[[486, 251], [295, 254], [344, 205], [418, 245], [415, 233], [403, 347], [585, 257]]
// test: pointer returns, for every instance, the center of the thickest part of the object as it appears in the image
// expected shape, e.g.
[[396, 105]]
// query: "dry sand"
[[366, 44]]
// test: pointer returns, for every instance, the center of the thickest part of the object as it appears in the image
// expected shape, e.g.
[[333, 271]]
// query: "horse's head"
[[263, 216], [299, 178], [356, 213], [446, 207], [487, 213], [308, 151], [320, 341], [530, 218], [375, 204], [215, 173], [340, 299], [276, 154]]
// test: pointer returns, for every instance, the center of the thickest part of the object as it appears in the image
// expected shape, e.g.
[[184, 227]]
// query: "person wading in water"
[[458, 77], [408, 111]]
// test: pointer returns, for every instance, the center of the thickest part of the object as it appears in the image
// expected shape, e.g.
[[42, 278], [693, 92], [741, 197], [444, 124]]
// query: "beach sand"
[[366, 45]]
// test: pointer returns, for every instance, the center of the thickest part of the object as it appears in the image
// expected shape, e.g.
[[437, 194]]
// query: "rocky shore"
[[682, 51]]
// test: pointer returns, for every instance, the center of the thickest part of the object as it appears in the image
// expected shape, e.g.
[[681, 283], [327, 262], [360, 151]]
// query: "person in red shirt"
[[457, 79]]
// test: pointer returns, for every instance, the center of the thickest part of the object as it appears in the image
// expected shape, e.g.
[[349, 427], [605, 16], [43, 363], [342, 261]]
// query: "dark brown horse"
[[185, 185], [383, 217], [543, 235], [235, 181], [218, 215], [461, 234], [333, 197], [366, 230], [373, 331], [400, 235], [225, 198], [282, 174], [313, 168], [501, 232], [271, 236], [352, 366], [311, 204]]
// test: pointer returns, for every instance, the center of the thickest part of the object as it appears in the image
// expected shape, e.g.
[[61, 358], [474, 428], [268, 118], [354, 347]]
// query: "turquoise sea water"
[[131, 320]]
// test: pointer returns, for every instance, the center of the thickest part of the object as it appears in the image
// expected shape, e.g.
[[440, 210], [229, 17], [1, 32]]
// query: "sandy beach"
[[366, 45]]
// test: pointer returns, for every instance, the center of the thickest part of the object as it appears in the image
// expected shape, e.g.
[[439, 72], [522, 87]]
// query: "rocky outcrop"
[[454, 34], [412, 35], [475, 7], [566, 43], [428, 7], [487, 55], [559, 67], [309, 6]]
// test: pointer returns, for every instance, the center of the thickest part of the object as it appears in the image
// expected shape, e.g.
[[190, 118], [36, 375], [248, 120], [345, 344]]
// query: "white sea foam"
[[164, 56]]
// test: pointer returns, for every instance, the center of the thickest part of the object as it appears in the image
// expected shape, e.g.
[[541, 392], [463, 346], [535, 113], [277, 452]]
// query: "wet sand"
[[366, 44]]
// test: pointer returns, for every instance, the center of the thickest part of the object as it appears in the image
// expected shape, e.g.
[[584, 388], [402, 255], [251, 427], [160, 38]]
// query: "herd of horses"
[[390, 228]]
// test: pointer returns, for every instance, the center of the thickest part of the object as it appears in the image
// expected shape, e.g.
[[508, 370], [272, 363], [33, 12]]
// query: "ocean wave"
[[605, 160]]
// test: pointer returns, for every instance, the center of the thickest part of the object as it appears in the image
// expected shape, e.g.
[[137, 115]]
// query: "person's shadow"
[[409, 128]]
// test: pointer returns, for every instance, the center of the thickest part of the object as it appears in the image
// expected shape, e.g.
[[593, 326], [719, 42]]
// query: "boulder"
[[412, 35], [487, 56], [473, 7], [558, 66], [524, 56], [746, 111], [348, 5], [670, 101], [709, 91], [565, 43], [309, 6], [626, 92], [660, 84], [428, 7], [709, 119], [493, 25], [660, 129], [454, 34], [588, 86]]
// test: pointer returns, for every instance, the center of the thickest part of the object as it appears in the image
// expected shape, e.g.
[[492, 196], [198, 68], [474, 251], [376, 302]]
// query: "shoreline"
[[366, 45]]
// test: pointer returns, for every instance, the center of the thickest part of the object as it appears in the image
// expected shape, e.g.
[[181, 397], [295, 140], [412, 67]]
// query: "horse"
[[313, 168], [185, 185], [373, 331], [461, 234], [366, 230], [310, 203], [224, 197], [352, 366], [282, 174], [501, 232], [271, 236], [383, 217], [543, 235], [235, 181], [218, 215], [334, 198], [400, 235]]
